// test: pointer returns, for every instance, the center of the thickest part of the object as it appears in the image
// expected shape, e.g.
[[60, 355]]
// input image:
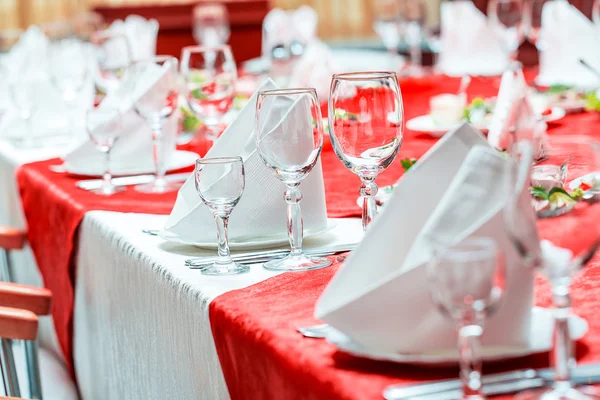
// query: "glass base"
[[298, 262], [561, 393], [154, 188], [108, 190], [225, 269]]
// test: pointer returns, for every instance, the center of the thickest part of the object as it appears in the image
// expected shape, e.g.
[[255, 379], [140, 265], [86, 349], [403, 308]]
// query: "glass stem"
[[368, 190], [414, 48], [469, 347], [295, 224], [563, 358], [159, 160], [107, 178], [224, 256]]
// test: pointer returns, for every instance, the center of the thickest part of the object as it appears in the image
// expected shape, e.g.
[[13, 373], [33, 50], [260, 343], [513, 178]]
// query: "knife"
[[505, 382], [91, 184]]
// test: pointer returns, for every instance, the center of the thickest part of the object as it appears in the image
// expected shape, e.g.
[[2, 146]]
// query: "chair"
[[34, 302]]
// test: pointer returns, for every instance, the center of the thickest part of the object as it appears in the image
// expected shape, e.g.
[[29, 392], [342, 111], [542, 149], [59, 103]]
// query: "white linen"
[[467, 200], [567, 36], [262, 210], [283, 27], [468, 44], [140, 33], [141, 317]]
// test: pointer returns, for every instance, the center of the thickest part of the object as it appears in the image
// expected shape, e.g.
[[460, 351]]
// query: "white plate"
[[249, 243], [556, 113], [180, 159], [540, 341], [425, 124]]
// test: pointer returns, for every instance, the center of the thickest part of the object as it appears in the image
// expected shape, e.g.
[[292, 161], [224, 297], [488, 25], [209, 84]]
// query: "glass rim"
[[201, 48], [219, 160], [363, 75], [470, 249], [288, 91]]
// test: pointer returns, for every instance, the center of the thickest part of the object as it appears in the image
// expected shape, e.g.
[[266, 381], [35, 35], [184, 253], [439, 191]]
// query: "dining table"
[[133, 321]]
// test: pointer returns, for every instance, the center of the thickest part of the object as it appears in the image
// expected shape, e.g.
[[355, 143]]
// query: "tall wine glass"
[[414, 14], [113, 54], [211, 24], [466, 282], [155, 94], [569, 239], [210, 75], [289, 138], [506, 19], [366, 126], [104, 128], [389, 26]]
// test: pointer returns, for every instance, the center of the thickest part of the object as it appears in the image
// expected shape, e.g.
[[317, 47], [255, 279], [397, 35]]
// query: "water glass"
[[220, 183], [506, 20], [211, 24], [389, 25], [289, 137], [576, 240], [366, 127], [153, 86], [466, 282], [210, 76], [104, 127], [113, 54]]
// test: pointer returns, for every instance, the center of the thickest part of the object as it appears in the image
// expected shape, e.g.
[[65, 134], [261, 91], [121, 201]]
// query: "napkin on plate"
[[380, 297], [141, 35], [514, 117], [567, 36], [468, 44], [261, 211], [133, 150]]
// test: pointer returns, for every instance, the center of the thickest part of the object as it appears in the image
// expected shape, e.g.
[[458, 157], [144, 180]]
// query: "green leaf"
[[554, 89], [196, 77], [539, 192], [592, 102], [198, 95], [407, 163], [191, 124]]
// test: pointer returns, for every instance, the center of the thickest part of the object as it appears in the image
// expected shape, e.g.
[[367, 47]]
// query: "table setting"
[[342, 232]]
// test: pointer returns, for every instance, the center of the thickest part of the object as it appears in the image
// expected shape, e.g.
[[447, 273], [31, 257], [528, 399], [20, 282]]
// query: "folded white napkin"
[[141, 34], [133, 149], [566, 36], [514, 117], [261, 211], [314, 69], [468, 44], [380, 297]]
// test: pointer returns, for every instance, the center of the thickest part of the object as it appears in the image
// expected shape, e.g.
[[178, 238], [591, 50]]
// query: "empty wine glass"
[[466, 282], [389, 26], [211, 24], [414, 14], [366, 127], [210, 75], [289, 138], [104, 128], [506, 20], [154, 92], [563, 251], [113, 54], [220, 183]]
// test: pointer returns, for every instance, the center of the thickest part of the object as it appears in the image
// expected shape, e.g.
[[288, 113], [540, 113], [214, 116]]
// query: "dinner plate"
[[556, 113], [540, 341], [180, 159], [425, 124], [249, 243]]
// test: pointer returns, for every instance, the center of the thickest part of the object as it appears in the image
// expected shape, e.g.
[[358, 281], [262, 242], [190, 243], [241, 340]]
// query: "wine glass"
[[289, 138], [210, 75], [220, 183], [211, 24], [506, 20], [366, 118], [389, 26], [414, 14], [113, 54], [68, 64], [155, 92], [466, 282], [104, 126], [563, 251]]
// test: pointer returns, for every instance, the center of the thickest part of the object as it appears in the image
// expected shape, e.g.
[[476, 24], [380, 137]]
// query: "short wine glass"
[[507, 21], [562, 252], [210, 76], [466, 282], [220, 184], [211, 24], [289, 138], [155, 93], [113, 54], [104, 127]]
